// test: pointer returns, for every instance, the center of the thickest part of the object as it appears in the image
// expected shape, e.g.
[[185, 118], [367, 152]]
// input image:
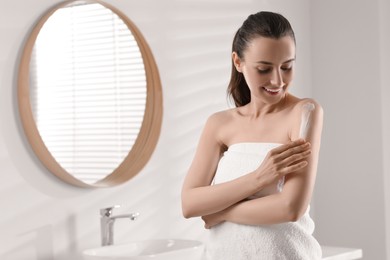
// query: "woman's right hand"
[[283, 160]]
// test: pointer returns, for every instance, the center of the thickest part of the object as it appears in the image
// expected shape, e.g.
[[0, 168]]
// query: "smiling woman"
[[254, 170], [89, 94]]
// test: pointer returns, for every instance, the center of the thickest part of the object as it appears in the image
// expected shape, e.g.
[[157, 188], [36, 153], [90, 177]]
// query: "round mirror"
[[89, 94]]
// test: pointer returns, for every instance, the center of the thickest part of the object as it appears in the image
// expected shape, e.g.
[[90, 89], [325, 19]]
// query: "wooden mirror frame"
[[149, 133]]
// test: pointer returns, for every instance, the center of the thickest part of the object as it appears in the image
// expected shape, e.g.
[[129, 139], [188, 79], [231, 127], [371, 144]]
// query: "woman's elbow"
[[186, 212], [294, 212], [186, 209], [293, 216]]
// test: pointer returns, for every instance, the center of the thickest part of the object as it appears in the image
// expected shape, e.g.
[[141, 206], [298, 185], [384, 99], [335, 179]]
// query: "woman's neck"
[[258, 109]]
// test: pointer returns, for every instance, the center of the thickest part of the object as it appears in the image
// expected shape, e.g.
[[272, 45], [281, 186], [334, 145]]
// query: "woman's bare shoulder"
[[217, 125], [222, 117], [300, 107], [305, 109], [302, 104]]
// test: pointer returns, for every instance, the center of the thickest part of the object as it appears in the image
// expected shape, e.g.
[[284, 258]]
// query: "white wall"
[[349, 81], [384, 11], [42, 218]]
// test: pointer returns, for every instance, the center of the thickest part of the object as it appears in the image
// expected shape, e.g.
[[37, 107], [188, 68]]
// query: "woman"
[[254, 170]]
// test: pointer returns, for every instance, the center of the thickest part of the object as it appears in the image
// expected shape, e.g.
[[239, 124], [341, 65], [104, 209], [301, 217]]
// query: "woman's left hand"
[[213, 219]]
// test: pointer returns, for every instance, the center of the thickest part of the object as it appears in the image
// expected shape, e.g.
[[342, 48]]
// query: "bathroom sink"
[[159, 249]]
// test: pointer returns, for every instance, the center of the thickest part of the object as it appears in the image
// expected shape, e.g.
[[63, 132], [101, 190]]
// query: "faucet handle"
[[107, 212]]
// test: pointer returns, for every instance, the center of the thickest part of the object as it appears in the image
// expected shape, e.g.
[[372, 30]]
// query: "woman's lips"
[[272, 91]]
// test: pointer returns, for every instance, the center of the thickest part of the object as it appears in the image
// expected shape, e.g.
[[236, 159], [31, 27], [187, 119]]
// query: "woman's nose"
[[276, 78]]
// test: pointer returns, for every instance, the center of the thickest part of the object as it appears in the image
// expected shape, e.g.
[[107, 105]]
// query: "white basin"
[[159, 249]]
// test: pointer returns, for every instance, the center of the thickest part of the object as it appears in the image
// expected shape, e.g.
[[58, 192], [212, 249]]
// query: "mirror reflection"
[[87, 89]]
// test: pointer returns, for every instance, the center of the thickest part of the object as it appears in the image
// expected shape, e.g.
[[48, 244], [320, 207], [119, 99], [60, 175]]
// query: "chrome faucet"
[[107, 221]]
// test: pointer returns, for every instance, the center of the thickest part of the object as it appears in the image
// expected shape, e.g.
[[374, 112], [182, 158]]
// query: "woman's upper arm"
[[208, 153], [298, 187]]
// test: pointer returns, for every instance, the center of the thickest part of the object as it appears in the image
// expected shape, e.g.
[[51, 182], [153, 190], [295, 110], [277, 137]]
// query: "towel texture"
[[286, 241]]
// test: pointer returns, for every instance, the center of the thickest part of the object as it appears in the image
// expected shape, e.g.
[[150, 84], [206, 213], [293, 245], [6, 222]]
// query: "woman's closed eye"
[[264, 71]]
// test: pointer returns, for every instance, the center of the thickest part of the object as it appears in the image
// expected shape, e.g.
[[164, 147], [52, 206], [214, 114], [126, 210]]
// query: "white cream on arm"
[[305, 124], [305, 119]]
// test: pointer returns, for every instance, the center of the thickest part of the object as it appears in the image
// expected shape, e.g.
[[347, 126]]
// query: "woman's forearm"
[[272, 209], [207, 200]]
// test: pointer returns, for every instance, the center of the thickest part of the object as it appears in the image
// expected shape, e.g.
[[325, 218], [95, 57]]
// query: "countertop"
[[340, 253]]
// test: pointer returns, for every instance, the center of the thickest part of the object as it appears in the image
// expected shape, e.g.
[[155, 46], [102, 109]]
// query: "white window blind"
[[88, 89]]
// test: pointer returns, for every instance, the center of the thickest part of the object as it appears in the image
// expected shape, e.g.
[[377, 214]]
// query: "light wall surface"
[[342, 61], [384, 11], [350, 78], [43, 218]]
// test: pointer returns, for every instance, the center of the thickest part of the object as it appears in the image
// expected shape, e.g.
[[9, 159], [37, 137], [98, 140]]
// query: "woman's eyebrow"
[[270, 63]]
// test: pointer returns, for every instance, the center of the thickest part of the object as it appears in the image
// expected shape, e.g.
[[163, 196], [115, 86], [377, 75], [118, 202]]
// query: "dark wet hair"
[[263, 24]]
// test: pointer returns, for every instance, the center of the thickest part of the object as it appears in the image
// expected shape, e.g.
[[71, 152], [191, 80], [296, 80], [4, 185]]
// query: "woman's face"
[[268, 66]]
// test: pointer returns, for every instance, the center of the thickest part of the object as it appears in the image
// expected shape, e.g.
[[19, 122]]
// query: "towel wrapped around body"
[[285, 241]]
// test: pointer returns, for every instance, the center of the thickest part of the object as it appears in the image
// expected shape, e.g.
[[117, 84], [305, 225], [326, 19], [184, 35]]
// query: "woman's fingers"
[[212, 220], [292, 150], [284, 160], [285, 147], [293, 167], [295, 158]]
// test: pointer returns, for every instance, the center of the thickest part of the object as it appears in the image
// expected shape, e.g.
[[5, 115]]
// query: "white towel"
[[286, 241]]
